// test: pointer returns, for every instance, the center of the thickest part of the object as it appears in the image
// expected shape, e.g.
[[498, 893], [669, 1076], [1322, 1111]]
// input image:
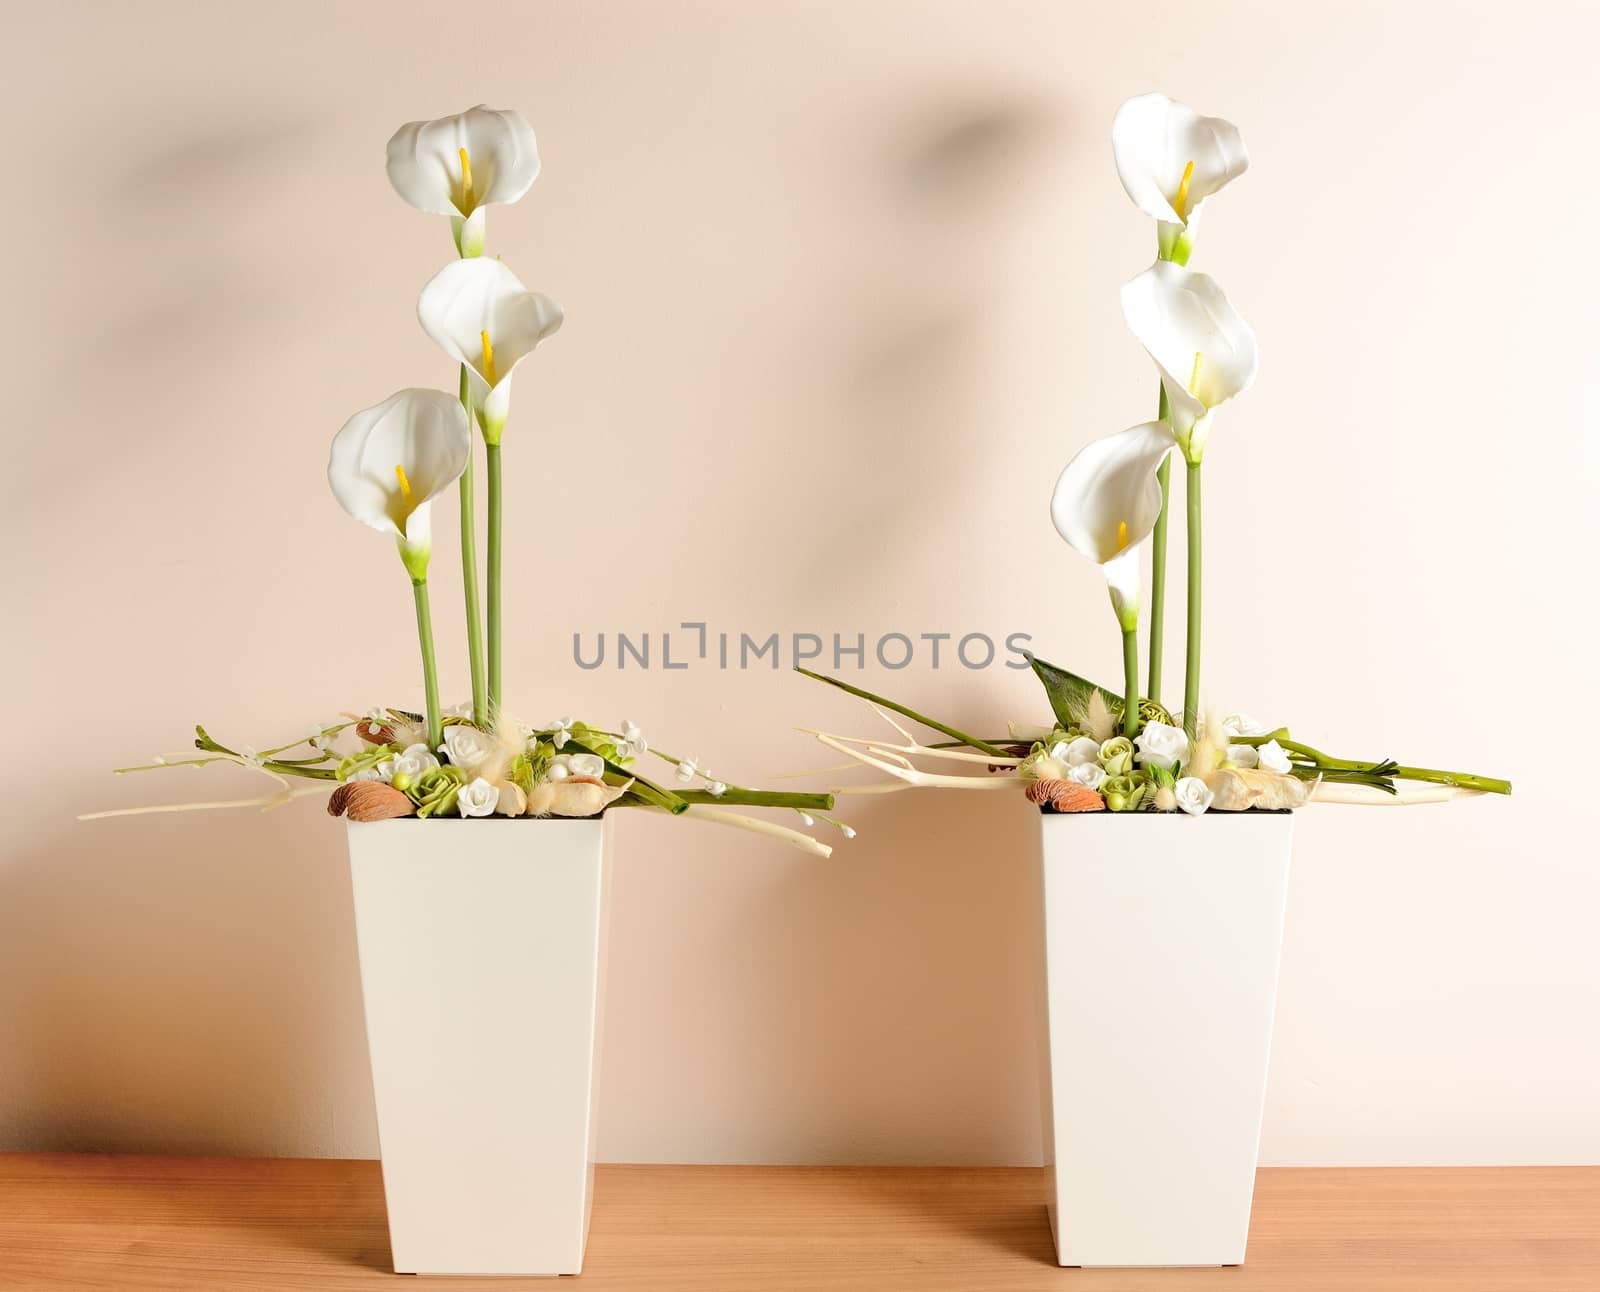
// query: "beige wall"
[[841, 284]]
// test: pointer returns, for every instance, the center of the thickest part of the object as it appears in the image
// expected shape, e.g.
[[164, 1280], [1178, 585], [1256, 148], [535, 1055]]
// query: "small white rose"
[[1193, 795], [686, 770], [1082, 751], [1161, 745], [1057, 751], [413, 762], [1090, 774], [1241, 755], [468, 748], [586, 765], [1271, 757], [479, 798], [1242, 724]]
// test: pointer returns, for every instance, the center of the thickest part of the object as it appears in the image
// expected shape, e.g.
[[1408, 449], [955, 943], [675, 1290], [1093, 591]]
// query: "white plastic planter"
[[1161, 939], [482, 949]]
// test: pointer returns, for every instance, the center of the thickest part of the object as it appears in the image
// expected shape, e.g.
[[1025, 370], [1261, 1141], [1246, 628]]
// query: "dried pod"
[[370, 801], [375, 733], [1239, 789], [340, 798], [1064, 796]]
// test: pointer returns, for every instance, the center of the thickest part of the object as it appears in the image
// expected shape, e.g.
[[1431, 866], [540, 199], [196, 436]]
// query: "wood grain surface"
[[128, 1222]]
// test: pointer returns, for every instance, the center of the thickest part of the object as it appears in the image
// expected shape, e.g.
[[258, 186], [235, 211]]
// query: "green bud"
[[415, 558]]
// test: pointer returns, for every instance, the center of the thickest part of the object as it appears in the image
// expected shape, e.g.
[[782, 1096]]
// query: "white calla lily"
[[1105, 505], [460, 165], [390, 460], [1170, 160], [387, 464], [1206, 352], [480, 314]]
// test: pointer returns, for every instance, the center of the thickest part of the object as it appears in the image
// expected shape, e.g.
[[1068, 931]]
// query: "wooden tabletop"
[[127, 1222]]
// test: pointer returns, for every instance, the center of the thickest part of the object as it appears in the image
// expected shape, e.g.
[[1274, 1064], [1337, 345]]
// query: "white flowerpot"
[[482, 947], [1161, 941]]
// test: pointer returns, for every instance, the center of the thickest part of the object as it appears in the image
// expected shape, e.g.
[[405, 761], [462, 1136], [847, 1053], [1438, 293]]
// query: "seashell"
[[1240, 789], [513, 802], [375, 733], [1064, 796], [540, 797], [369, 801]]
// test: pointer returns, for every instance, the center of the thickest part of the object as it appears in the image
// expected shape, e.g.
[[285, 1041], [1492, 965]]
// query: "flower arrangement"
[[387, 465], [1122, 750]]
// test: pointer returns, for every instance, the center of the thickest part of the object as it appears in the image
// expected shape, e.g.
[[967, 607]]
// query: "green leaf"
[[1069, 694]]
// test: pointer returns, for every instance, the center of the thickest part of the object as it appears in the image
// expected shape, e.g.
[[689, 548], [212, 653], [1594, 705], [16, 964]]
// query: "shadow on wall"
[[171, 294], [912, 360], [183, 984], [877, 993]]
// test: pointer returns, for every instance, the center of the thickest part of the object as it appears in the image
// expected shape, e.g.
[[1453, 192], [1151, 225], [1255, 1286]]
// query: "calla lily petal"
[[471, 299], [389, 460], [425, 161], [1206, 352], [1106, 502], [1155, 139]]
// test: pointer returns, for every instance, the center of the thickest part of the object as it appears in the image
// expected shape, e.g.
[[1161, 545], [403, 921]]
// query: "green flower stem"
[[1191, 661], [203, 741], [760, 798], [495, 692], [430, 669], [1460, 780], [997, 740], [972, 742], [334, 730], [469, 574], [1158, 573], [1130, 673], [1158, 566]]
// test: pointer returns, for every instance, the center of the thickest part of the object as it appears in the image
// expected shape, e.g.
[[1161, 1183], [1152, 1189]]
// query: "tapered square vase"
[[1161, 940], [482, 946]]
